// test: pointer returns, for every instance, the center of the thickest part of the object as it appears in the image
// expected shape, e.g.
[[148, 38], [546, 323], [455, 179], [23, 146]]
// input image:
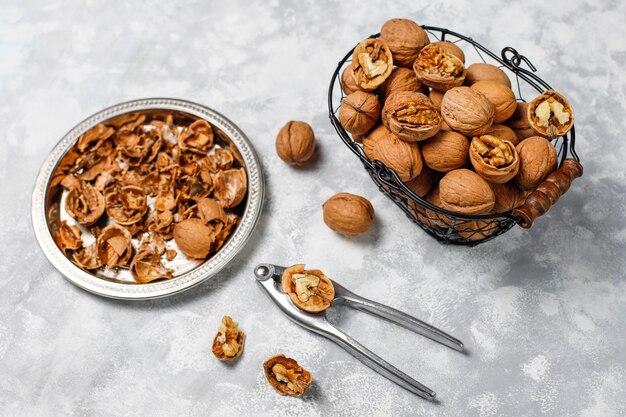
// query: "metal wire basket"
[[449, 227]]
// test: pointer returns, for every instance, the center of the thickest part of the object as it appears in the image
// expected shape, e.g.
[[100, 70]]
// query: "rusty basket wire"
[[446, 226]]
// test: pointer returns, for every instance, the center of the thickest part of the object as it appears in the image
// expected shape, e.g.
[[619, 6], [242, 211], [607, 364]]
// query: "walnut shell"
[[475, 229], [403, 157], [231, 187], [348, 214], [405, 39], [465, 192], [451, 48], [359, 112], [436, 97], [114, 245], [508, 197], [446, 151], [481, 72], [286, 376], [503, 132], [310, 290], [538, 159], [423, 183], [411, 116], [372, 63], [85, 204], [551, 115], [229, 341], [348, 84], [295, 143], [519, 122], [467, 111], [498, 163], [438, 69], [501, 96], [401, 79]]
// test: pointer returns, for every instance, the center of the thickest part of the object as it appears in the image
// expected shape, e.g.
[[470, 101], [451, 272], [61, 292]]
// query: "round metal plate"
[[99, 284]]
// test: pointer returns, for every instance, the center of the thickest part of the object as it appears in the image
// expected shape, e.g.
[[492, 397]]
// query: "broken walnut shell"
[[551, 115], [467, 111], [197, 137], [439, 69], [85, 204], [405, 39], [146, 265], [372, 63], [481, 72], [67, 237], [87, 257], [126, 205], [403, 157], [310, 290], [114, 245], [295, 143], [229, 341], [359, 112], [411, 116], [494, 159], [537, 159], [286, 376], [231, 187], [451, 48], [501, 96], [465, 192], [446, 151], [194, 238], [348, 214]]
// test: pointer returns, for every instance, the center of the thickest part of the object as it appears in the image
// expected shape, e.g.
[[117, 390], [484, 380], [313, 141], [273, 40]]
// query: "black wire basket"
[[446, 226]]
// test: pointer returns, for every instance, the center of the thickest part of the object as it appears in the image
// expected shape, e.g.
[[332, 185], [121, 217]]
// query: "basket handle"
[[548, 193]]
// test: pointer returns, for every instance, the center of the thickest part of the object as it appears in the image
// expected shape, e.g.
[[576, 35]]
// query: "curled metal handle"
[[516, 58]]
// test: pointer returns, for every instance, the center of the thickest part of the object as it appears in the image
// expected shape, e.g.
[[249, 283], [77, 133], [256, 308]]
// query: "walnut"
[[519, 122], [372, 63], [508, 197], [401, 79], [286, 376], [475, 229], [197, 137], [467, 111], [465, 192], [503, 132], [438, 69], [210, 210], [359, 112], [494, 159], [423, 183], [114, 246], [501, 96], [295, 143], [348, 84], [194, 238], [411, 116], [481, 72], [428, 216], [67, 237], [126, 205], [229, 341], [451, 48], [551, 115], [446, 151], [146, 264], [85, 204], [537, 159], [405, 39], [310, 290], [436, 97], [348, 214], [231, 187], [403, 157]]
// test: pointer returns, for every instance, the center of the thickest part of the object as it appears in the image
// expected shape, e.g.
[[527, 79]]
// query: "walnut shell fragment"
[[197, 137], [439, 69], [551, 115], [114, 245], [446, 151], [359, 112], [310, 290], [68, 237], [87, 257], [405, 39], [295, 143], [228, 342], [537, 159], [348, 214], [231, 187], [467, 111], [494, 159], [465, 192], [403, 157], [146, 264], [286, 376], [194, 238], [126, 205], [372, 63], [85, 204], [411, 116]]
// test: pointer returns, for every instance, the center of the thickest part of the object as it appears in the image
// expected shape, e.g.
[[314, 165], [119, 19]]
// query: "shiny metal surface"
[[269, 276], [47, 208]]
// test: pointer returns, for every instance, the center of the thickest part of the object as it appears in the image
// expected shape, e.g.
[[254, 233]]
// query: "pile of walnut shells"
[[455, 135]]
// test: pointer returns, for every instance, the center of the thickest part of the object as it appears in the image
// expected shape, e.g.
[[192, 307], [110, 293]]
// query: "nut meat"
[[228, 342], [438, 69], [310, 290], [372, 63], [551, 115], [286, 376], [494, 159], [348, 214], [411, 116]]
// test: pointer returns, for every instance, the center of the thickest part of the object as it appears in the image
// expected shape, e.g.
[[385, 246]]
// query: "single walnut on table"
[[286, 376], [229, 341], [295, 143], [348, 214]]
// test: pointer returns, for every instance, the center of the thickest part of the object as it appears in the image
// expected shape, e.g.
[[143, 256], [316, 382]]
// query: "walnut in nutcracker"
[[446, 151], [537, 159], [286, 376], [411, 116], [348, 214], [465, 192], [551, 115], [310, 290], [405, 39], [359, 112], [229, 341], [295, 143], [467, 111], [494, 159], [439, 69], [481, 72], [372, 63], [400, 79], [501, 96], [403, 157]]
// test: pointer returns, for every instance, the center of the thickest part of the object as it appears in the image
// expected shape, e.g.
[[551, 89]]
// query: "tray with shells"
[[147, 198]]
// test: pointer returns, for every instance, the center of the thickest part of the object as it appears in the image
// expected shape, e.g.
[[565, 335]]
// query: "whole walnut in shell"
[[372, 63], [401, 79], [295, 143], [405, 39], [359, 112], [481, 72], [436, 97], [286, 376], [467, 111], [403, 157], [451, 48], [501, 96], [411, 116], [519, 122], [423, 183], [348, 84], [494, 159], [465, 192], [537, 159], [438, 69], [348, 214], [503, 132], [446, 151], [508, 197], [551, 115]]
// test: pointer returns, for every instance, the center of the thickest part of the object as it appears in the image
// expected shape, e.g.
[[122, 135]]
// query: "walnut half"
[[310, 290], [286, 376], [228, 342]]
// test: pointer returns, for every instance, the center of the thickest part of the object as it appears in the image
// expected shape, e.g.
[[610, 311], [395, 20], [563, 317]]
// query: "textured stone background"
[[542, 312]]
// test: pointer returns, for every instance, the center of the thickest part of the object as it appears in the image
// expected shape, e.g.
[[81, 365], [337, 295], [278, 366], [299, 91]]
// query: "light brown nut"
[[310, 290], [85, 204], [481, 72], [508, 197], [359, 112], [372, 63], [551, 115], [411, 116], [295, 143], [503, 132], [519, 122], [348, 214], [423, 183], [446, 151], [67, 238], [465, 192], [451, 48], [400, 79], [538, 159], [403, 157], [475, 229], [436, 97], [467, 111], [429, 217], [231, 187], [438, 69], [126, 205], [114, 246], [494, 159], [197, 138], [405, 39], [348, 84], [286, 376], [501, 96], [194, 238], [228, 342]]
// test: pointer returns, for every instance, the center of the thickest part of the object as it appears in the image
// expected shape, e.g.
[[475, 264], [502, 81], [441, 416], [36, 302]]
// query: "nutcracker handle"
[[548, 193]]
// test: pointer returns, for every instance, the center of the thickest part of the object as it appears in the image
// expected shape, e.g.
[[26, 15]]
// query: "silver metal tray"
[[47, 208]]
